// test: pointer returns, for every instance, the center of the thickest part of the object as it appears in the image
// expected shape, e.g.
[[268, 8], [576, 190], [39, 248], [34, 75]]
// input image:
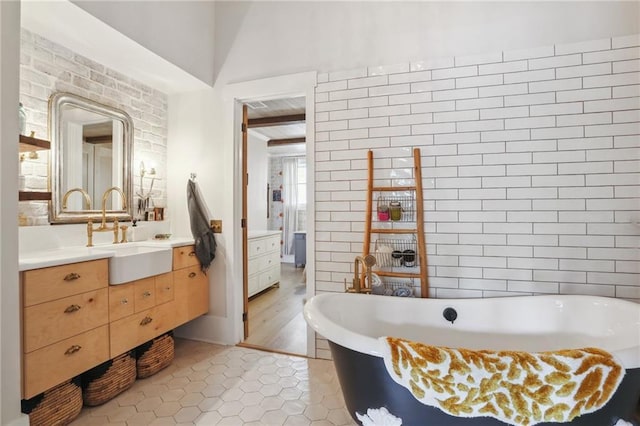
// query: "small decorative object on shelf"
[[409, 258], [395, 210], [383, 213]]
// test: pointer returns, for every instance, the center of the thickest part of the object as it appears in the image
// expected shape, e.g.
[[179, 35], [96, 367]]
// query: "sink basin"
[[134, 262]]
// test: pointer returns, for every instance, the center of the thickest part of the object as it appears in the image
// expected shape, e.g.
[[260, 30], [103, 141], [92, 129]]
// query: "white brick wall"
[[530, 166], [47, 68]]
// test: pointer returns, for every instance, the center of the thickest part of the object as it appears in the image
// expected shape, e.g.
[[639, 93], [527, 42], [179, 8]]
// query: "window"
[[302, 183]]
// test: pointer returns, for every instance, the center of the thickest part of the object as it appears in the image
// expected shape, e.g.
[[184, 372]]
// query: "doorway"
[[274, 136]]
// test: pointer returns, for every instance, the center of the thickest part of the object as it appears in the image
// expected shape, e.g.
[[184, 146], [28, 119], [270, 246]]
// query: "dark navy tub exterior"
[[366, 384]]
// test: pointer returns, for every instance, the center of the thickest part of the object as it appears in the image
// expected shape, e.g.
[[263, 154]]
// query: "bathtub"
[[353, 324]]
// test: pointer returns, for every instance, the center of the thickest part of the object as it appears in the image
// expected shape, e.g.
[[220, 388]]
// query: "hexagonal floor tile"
[[316, 412], [187, 414], [208, 419], [274, 418], [231, 408], [251, 398], [298, 420], [251, 414], [191, 399], [167, 409]]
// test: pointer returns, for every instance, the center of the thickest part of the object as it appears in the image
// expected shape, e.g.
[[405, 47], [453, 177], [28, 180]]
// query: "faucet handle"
[[90, 233], [124, 233], [348, 289], [115, 231]]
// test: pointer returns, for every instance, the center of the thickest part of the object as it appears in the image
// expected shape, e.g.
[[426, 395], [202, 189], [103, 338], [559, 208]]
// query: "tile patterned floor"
[[227, 385]]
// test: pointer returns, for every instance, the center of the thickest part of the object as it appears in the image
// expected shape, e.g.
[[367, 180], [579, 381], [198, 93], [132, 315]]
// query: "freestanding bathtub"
[[353, 324]]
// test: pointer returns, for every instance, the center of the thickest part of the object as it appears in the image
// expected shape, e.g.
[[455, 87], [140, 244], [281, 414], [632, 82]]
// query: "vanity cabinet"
[[191, 285], [64, 323], [139, 311], [73, 320], [263, 254]]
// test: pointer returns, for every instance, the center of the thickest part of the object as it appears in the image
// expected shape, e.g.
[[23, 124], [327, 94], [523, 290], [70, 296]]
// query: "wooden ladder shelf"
[[415, 218]]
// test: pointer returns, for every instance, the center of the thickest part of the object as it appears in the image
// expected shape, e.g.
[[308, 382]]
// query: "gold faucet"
[[367, 262], [87, 199], [103, 225]]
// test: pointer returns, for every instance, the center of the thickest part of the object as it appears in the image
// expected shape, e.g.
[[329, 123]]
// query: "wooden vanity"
[[73, 320]]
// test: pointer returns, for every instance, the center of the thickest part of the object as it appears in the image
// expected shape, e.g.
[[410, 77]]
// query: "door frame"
[[235, 95]]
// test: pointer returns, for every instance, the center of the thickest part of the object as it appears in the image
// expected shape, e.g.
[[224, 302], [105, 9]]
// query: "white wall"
[[193, 149], [9, 290], [48, 67], [259, 39], [257, 166], [179, 31]]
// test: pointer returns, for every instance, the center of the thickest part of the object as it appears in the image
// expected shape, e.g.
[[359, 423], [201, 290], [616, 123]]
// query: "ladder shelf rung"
[[398, 274], [394, 188], [393, 231]]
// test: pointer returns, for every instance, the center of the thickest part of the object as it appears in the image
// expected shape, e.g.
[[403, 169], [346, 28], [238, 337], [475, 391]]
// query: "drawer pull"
[[146, 320], [71, 277], [72, 350], [167, 288], [192, 274], [193, 253], [146, 294], [124, 301], [72, 308]]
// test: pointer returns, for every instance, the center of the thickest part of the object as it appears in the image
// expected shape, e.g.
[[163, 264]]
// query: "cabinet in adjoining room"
[[264, 260], [300, 248]]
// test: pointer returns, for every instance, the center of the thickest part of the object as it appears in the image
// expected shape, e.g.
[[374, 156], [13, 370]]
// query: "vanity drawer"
[[61, 361], [254, 265], [269, 277], [145, 294], [127, 333], [256, 247], [51, 322], [191, 293], [269, 261], [253, 284], [273, 243], [45, 284], [184, 256], [121, 301], [164, 288]]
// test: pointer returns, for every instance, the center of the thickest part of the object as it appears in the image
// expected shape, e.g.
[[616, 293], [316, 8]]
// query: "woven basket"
[[104, 382], [58, 406], [155, 355]]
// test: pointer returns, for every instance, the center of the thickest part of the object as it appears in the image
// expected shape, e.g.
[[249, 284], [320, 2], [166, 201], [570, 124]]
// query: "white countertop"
[[264, 233], [65, 255]]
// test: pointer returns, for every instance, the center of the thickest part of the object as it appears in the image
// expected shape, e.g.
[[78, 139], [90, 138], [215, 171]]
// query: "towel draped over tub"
[[205, 242], [518, 388]]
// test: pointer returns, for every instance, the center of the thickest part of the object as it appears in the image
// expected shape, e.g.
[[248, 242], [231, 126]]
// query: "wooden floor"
[[275, 315]]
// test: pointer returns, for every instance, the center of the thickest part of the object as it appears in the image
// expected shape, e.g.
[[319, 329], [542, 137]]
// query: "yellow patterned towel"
[[518, 388]]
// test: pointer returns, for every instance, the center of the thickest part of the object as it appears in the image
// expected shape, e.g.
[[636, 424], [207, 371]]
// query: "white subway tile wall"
[[47, 68], [531, 167]]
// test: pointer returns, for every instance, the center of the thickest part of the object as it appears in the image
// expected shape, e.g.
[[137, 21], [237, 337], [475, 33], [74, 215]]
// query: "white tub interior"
[[532, 324]]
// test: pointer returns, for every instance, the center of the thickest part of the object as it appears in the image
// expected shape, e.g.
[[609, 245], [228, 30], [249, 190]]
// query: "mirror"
[[91, 148]]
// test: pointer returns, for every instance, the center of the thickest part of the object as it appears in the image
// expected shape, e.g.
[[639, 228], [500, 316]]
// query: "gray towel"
[[203, 235]]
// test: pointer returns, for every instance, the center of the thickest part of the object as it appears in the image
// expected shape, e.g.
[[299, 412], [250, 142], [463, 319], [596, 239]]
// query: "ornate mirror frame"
[[57, 214]]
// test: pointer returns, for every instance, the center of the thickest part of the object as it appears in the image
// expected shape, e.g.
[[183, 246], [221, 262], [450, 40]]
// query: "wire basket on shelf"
[[395, 208], [397, 288], [391, 253]]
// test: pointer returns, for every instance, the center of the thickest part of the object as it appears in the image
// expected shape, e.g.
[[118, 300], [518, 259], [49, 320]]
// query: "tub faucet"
[[357, 286], [103, 225]]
